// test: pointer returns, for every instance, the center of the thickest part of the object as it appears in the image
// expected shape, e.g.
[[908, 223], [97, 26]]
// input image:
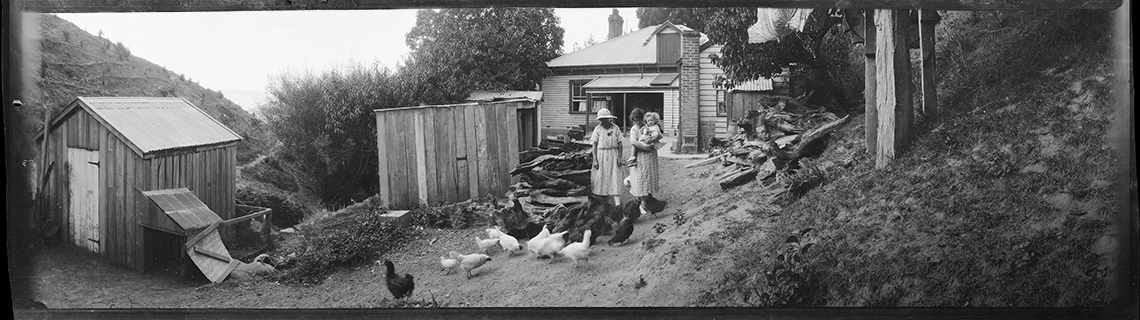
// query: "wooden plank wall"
[[445, 154], [122, 173]]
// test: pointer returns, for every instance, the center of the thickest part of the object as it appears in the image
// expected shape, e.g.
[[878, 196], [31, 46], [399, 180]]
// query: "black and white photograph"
[[790, 159]]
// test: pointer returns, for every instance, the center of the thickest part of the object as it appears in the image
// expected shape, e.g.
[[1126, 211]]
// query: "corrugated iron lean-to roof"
[[648, 80]]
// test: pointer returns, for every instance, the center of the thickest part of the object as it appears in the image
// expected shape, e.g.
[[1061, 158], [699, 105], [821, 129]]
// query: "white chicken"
[[494, 232], [484, 244], [448, 263], [536, 242], [509, 243], [469, 262], [578, 250], [552, 245]]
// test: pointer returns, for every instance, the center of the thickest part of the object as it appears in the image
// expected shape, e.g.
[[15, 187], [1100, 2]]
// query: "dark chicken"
[[399, 286]]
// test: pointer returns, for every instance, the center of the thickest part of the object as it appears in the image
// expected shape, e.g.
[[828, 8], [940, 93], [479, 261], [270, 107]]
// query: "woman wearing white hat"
[[606, 177]]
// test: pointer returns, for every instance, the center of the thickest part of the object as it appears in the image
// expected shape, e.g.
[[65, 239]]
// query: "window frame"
[[721, 102], [584, 98]]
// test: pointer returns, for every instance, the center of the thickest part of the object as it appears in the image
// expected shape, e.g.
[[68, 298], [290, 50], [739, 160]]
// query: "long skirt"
[[607, 178], [643, 176]]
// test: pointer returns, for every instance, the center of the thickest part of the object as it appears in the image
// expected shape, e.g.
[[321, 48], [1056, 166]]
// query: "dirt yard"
[[651, 269]]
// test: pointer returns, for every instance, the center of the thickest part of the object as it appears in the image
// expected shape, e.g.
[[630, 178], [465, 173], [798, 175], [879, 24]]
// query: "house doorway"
[[624, 103]]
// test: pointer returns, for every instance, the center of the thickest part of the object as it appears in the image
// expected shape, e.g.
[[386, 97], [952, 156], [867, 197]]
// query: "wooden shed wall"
[[123, 173], [443, 154]]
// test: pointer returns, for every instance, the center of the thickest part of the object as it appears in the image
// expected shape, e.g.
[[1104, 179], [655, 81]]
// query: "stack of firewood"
[[771, 138], [550, 178]]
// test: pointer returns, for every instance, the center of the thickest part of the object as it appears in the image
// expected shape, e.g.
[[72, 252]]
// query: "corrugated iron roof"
[[504, 95], [638, 47], [183, 207], [647, 80], [154, 123], [762, 84]]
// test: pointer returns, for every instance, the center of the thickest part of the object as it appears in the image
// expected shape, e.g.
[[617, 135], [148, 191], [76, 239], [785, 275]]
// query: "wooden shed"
[[107, 151], [529, 111], [447, 153]]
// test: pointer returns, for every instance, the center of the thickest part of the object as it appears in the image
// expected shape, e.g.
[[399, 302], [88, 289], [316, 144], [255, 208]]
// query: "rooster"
[[578, 250], [399, 286], [469, 262]]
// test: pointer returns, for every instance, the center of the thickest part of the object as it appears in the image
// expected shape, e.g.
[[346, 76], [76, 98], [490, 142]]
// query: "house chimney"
[[615, 25], [690, 81]]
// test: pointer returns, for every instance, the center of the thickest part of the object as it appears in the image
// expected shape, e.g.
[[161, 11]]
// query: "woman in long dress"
[[643, 177], [606, 176]]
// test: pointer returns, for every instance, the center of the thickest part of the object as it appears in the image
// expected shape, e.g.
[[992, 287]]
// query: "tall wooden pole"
[[871, 114], [1124, 131], [892, 73], [927, 19]]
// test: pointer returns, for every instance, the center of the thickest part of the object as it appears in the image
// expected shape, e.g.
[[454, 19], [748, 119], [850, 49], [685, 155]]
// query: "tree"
[[819, 53], [586, 44], [455, 51], [327, 128], [690, 17]]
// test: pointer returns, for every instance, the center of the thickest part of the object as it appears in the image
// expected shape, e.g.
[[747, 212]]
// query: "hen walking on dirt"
[[399, 286]]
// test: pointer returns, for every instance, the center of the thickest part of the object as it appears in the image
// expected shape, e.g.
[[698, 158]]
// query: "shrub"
[[287, 211], [356, 239]]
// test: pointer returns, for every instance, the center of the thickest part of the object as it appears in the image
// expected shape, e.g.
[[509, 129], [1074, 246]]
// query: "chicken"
[[484, 244], [622, 231], [536, 242], [469, 262], [400, 287], [551, 245], [494, 233], [448, 263], [578, 250], [509, 243], [257, 268]]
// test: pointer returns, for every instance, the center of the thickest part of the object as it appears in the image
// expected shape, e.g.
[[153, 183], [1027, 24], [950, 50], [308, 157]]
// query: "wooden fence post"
[[871, 114], [927, 19], [892, 70]]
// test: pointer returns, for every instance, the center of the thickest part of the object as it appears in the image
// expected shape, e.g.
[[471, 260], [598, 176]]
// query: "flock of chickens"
[[544, 245]]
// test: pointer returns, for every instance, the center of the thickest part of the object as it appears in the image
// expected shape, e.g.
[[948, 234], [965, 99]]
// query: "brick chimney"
[[690, 81], [615, 25]]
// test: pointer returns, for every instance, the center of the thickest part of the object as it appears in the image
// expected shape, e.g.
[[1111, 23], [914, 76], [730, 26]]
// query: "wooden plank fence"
[[446, 153]]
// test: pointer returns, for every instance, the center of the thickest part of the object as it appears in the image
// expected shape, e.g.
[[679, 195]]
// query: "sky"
[[238, 52]]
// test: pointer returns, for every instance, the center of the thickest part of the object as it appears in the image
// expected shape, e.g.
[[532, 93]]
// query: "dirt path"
[[674, 270]]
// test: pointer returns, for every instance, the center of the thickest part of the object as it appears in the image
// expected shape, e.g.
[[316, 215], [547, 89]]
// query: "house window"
[[578, 102], [721, 103]]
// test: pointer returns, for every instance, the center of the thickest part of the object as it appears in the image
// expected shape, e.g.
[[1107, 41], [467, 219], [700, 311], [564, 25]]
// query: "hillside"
[[76, 63], [1004, 201]]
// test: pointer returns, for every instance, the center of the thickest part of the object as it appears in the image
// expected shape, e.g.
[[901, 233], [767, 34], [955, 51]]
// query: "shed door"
[[84, 191]]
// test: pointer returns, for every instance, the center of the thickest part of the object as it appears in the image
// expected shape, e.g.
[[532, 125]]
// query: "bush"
[[357, 239], [287, 211]]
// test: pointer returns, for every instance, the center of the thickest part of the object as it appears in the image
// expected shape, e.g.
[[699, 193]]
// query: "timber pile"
[[772, 138], [554, 190]]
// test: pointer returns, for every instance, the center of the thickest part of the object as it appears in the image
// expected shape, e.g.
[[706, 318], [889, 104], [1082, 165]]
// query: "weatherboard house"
[[665, 68], [132, 178]]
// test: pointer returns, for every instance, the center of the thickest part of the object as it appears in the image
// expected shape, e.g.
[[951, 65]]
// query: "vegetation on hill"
[[1006, 200], [325, 120], [74, 63], [820, 55]]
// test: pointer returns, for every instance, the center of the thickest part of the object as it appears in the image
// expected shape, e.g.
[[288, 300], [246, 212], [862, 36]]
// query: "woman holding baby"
[[645, 136]]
